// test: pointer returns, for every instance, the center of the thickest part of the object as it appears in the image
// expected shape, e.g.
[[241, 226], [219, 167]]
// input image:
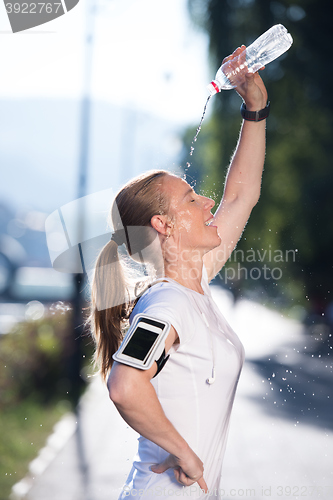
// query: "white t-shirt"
[[199, 411]]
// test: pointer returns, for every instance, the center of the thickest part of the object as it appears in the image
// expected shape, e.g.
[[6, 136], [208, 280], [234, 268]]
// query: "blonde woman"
[[182, 414]]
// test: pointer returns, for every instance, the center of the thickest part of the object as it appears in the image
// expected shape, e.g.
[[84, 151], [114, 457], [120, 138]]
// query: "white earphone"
[[211, 379]]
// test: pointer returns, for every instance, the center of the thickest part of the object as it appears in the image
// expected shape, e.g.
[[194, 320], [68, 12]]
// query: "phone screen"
[[140, 343]]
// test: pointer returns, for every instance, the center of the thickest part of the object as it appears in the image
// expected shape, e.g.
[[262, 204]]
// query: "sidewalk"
[[280, 443]]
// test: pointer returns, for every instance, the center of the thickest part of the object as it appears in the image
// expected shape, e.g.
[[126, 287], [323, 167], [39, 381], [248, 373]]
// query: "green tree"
[[296, 202]]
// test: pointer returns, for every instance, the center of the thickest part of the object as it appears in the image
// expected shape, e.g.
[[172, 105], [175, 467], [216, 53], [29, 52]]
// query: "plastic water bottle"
[[269, 46]]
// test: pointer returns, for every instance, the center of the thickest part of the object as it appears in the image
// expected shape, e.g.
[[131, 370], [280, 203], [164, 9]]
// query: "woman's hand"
[[248, 85], [187, 470]]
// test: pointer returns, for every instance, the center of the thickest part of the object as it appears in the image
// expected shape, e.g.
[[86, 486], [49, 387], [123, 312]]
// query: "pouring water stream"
[[188, 164]]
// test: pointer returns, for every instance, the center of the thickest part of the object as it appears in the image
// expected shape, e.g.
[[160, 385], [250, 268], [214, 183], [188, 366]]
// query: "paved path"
[[281, 437]]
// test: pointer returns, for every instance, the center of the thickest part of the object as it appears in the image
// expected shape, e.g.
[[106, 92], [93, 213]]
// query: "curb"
[[62, 432]]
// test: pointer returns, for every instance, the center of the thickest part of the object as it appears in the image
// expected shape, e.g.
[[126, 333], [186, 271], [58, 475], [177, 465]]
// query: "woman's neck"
[[188, 273]]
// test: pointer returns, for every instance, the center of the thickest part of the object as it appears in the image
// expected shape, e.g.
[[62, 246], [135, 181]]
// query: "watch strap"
[[255, 116]]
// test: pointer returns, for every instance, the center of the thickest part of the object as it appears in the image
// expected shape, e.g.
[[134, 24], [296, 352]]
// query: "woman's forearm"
[[245, 171]]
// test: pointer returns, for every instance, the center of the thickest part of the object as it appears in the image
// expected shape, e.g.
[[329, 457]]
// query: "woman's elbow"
[[116, 394], [255, 198], [120, 393], [120, 387]]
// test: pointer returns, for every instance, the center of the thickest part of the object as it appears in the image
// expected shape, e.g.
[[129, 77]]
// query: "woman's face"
[[190, 213]]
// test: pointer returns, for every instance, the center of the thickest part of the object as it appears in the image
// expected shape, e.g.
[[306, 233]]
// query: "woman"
[[182, 415]]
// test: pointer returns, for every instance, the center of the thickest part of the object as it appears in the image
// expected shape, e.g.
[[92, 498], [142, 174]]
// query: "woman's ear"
[[161, 223]]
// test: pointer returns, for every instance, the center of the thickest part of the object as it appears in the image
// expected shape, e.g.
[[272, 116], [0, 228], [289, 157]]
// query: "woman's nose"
[[208, 203]]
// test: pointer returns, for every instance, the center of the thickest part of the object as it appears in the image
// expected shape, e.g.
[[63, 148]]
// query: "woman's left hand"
[[249, 86], [187, 471]]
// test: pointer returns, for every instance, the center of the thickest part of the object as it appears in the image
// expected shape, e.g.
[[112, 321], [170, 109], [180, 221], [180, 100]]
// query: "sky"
[[146, 54]]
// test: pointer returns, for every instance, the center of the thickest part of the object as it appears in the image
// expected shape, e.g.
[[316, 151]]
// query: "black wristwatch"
[[255, 116]]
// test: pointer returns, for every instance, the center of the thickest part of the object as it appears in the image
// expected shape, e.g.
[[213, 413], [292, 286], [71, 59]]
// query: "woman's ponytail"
[[109, 306], [133, 208]]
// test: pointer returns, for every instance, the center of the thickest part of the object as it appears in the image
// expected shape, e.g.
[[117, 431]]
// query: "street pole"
[[84, 148]]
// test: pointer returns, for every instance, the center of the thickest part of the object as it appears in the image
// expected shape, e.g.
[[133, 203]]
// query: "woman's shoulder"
[[164, 294], [168, 301]]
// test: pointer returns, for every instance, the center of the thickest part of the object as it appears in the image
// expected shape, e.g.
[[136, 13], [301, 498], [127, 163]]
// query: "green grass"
[[37, 386], [24, 430]]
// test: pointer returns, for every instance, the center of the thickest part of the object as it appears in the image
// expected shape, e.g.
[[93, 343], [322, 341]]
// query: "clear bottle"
[[269, 46]]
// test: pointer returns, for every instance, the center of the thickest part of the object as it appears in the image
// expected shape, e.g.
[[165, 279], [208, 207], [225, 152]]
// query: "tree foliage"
[[296, 202]]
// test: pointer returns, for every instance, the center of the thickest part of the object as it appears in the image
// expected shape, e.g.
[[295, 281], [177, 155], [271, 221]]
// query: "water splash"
[[188, 164]]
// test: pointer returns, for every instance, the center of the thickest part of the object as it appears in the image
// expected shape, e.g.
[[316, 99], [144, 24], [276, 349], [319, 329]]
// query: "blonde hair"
[[135, 204]]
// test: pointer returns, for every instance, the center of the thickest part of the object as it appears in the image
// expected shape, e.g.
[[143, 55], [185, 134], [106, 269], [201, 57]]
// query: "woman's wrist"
[[255, 105], [256, 115], [183, 449]]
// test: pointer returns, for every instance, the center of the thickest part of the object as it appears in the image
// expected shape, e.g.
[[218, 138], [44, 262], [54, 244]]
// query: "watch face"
[[140, 343]]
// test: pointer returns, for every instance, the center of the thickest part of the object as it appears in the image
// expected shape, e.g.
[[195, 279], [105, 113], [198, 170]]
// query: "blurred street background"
[[280, 442], [112, 89]]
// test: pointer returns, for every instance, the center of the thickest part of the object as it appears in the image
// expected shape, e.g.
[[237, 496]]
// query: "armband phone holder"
[[144, 343]]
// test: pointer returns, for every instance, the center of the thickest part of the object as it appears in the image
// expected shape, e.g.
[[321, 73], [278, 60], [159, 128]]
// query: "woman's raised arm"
[[243, 181]]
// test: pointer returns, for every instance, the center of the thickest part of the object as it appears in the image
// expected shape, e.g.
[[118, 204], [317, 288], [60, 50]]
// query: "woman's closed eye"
[[193, 197]]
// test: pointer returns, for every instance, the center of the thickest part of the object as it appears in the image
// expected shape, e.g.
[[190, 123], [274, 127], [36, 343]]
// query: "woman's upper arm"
[[123, 379], [171, 339], [231, 219]]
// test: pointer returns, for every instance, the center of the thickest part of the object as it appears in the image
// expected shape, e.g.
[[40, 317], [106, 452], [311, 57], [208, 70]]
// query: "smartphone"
[[144, 342]]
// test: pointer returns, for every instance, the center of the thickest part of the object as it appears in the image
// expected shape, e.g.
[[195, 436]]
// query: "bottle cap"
[[213, 88]]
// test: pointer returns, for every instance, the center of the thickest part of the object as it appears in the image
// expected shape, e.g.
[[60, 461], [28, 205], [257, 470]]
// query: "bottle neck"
[[213, 87]]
